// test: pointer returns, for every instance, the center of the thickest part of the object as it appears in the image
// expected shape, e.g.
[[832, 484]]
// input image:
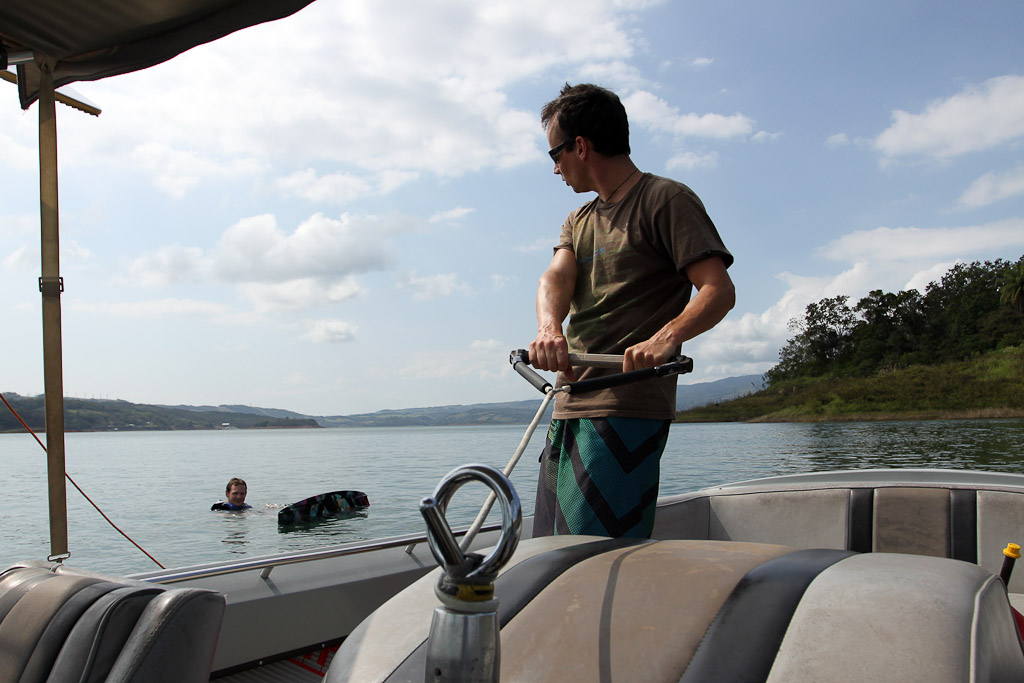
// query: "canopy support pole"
[[51, 285]]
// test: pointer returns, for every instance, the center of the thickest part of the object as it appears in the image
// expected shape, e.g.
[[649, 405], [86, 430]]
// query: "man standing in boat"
[[623, 272]]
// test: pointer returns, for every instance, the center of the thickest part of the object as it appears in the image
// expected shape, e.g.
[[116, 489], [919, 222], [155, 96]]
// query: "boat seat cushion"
[[1000, 521], [703, 610], [961, 523], [58, 624], [911, 520], [897, 617], [798, 518], [802, 519], [404, 621]]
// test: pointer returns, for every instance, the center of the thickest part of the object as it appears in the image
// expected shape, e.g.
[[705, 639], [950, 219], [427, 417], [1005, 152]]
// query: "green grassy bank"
[[991, 385]]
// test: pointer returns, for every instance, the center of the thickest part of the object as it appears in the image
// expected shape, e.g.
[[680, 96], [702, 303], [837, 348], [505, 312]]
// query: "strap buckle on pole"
[[51, 286]]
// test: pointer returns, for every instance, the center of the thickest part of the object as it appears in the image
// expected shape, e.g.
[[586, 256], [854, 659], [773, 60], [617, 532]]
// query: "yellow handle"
[[1012, 550]]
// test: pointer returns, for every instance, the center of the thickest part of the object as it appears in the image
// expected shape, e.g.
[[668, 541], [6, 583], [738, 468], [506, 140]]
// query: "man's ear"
[[582, 148]]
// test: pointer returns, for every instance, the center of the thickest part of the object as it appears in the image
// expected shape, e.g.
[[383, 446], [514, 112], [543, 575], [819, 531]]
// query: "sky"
[[347, 210]]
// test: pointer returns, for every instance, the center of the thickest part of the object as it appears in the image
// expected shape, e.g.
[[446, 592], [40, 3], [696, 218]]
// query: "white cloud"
[[391, 179], [169, 264], [499, 282], [476, 361], [298, 293], [701, 62], [456, 214], [617, 75], [897, 244], [654, 113], [691, 160], [750, 343], [978, 118], [890, 259], [836, 141], [274, 270], [155, 308], [176, 171], [18, 156], [256, 250], [487, 345], [331, 332], [765, 136], [540, 244], [434, 286], [391, 90], [26, 257], [19, 227], [994, 187], [636, 4], [921, 279], [297, 379], [23, 258], [333, 188]]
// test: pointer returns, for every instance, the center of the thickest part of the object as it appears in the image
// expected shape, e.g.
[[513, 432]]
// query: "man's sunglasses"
[[557, 149]]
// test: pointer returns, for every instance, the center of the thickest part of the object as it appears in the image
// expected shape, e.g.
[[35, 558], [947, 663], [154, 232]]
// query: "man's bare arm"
[[549, 350], [715, 297]]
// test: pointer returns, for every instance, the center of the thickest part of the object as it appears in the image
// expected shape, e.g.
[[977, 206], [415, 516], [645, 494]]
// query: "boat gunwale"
[[268, 563]]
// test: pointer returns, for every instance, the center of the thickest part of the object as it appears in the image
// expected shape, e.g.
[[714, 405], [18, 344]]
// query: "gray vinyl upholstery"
[[913, 520], [801, 519], [896, 617], [660, 610], [58, 624], [404, 621], [1000, 521]]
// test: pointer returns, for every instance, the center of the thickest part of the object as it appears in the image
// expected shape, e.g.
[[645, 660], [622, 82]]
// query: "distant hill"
[[521, 412], [701, 394], [247, 410], [515, 412], [112, 415], [100, 415]]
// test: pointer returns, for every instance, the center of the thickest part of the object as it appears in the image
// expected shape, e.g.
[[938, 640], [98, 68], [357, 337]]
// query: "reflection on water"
[[397, 468], [326, 527], [701, 455], [235, 528], [949, 444], [236, 537]]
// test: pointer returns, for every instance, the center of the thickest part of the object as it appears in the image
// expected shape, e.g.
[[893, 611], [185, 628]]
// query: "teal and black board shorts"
[[599, 476]]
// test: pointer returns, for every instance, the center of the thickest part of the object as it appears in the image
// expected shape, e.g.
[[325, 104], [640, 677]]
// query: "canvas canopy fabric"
[[85, 40]]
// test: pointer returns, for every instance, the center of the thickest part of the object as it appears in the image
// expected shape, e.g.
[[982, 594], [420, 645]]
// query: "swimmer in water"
[[235, 493]]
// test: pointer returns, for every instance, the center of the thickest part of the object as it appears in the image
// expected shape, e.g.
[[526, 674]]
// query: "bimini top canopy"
[[85, 40]]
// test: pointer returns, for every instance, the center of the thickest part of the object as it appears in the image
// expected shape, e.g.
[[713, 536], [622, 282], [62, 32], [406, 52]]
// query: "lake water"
[[158, 486]]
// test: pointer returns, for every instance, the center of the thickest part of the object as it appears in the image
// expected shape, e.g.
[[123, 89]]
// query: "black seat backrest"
[[59, 624]]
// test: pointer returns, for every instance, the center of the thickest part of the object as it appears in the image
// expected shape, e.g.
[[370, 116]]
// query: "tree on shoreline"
[[1012, 290], [975, 307]]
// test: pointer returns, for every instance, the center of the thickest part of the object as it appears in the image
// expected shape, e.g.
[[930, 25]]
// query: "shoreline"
[[908, 416], [912, 416], [40, 432]]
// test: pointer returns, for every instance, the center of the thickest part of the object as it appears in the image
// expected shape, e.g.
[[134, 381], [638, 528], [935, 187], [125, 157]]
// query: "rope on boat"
[[68, 476], [485, 510]]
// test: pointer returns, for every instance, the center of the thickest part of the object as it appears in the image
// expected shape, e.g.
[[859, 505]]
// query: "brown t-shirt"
[[631, 258]]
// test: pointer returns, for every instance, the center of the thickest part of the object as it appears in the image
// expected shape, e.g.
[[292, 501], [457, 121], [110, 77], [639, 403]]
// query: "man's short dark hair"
[[592, 112], [235, 481]]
